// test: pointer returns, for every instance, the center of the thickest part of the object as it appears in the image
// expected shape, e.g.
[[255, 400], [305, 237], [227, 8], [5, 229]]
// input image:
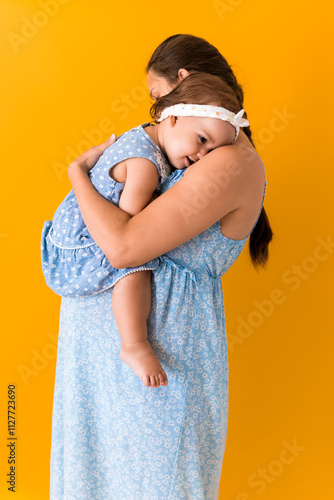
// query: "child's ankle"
[[134, 343]]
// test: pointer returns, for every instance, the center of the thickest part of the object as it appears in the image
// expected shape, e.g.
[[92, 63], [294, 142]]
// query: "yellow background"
[[75, 73]]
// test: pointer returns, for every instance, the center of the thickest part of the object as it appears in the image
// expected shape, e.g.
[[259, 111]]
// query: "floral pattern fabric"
[[114, 438]]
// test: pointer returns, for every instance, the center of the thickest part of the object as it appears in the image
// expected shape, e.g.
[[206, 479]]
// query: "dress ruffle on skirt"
[[82, 270]]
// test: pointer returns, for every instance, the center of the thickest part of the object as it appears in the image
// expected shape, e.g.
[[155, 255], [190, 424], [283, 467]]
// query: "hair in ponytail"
[[197, 55], [259, 240]]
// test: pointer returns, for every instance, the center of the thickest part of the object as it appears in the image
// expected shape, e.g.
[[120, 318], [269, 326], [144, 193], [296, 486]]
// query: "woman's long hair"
[[197, 55]]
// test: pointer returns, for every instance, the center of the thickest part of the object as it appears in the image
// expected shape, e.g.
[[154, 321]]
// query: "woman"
[[113, 438]]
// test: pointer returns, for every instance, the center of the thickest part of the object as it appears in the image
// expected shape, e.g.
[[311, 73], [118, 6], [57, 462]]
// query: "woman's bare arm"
[[220, 183]]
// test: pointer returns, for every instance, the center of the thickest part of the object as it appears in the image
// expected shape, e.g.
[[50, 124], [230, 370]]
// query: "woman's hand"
[[88, 159]]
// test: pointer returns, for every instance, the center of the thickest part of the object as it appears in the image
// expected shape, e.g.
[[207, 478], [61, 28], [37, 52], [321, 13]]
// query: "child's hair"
[[197, 55], [198, 88]]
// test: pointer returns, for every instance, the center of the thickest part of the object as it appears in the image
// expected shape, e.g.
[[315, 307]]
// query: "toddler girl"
[[196, 117]]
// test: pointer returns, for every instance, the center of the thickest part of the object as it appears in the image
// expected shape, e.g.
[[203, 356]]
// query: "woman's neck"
[[242, 140]]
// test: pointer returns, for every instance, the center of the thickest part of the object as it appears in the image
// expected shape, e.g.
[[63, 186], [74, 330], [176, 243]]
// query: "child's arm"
[[141, 182]]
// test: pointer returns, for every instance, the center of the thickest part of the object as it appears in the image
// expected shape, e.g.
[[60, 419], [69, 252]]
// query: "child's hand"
[[87, 160]]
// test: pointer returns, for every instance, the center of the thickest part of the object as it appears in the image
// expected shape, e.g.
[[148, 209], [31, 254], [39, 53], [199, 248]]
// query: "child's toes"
[[163, 378], [146, 380], [153, 381]]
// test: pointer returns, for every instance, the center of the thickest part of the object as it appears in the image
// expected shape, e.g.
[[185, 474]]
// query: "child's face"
[[187, 139]]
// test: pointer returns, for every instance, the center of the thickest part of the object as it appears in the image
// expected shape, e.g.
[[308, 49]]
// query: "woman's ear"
[[172, 120], [182, 73]]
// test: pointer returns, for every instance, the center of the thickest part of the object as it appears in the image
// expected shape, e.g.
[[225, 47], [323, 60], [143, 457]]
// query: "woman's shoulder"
[[240, 148], [239, 160], [244, 149]]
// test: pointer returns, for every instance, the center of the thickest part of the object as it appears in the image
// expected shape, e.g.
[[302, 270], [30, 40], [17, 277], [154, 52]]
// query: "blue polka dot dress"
[[112, 437], [72, 263]]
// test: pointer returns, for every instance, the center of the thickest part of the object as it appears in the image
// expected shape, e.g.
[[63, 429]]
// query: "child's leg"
[[131, 303]]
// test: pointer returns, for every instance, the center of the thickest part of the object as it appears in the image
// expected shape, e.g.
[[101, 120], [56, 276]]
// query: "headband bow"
[[209, 111]]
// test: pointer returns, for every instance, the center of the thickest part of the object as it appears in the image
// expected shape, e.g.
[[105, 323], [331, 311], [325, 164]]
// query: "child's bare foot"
[[140, 357]]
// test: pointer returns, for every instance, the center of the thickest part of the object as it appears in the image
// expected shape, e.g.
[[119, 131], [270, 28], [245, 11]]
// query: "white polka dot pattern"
[[72, 263]]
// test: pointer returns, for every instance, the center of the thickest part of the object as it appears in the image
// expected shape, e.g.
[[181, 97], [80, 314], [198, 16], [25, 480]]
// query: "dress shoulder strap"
[[249, 149]]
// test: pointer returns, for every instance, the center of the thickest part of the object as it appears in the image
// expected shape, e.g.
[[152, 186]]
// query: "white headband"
[[207, 112]]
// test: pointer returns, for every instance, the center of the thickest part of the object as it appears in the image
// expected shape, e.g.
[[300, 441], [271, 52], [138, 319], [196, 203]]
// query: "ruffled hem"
[[81, 271]]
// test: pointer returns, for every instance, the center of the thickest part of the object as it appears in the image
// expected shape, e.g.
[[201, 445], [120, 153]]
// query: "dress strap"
[[249, 149]]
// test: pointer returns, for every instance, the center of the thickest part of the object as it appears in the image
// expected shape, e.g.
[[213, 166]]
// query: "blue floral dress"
[[73, 264], [114, 438]]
